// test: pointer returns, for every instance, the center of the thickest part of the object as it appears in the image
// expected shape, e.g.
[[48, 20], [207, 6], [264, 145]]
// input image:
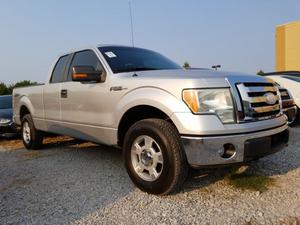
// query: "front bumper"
[[204, 151], [8, 129]]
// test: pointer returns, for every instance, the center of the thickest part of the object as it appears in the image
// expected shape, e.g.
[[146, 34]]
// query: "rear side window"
[[85, 58], [58, 71]]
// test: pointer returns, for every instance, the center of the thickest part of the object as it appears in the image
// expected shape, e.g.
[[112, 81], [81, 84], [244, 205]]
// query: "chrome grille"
[[259, 100], [284, 94]]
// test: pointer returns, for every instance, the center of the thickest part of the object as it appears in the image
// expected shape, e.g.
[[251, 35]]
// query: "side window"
[[58, 71], [85, 58]]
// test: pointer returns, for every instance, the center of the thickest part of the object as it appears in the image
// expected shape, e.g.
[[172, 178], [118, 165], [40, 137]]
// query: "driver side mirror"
[[87, 74]]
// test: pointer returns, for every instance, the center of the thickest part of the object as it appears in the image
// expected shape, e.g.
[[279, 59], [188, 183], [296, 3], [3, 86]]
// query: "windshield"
[[127, 59], [294, 78], [5, 102]]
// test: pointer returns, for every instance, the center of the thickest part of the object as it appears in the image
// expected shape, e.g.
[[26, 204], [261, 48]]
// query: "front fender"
[[151, 96]]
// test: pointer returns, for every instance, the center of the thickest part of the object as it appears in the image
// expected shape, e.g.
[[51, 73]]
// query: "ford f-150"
[[164, 117]]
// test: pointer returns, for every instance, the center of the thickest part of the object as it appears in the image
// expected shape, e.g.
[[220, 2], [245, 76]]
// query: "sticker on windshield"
[[110, 54]]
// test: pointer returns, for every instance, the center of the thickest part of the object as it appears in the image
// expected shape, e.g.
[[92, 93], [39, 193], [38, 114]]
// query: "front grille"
[[284, 94], [259, 100]]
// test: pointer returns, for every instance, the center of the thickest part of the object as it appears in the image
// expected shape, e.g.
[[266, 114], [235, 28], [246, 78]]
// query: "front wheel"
[[32, 138], [154, 156]]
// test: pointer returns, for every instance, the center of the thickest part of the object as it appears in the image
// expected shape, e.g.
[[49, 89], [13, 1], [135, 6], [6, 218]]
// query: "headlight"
[[216, 101], [3, 121]]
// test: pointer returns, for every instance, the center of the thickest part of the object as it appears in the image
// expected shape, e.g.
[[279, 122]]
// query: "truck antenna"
[[130, 11]]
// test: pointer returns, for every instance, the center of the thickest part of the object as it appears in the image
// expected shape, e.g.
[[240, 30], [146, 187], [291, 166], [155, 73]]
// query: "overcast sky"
[[238, 34]]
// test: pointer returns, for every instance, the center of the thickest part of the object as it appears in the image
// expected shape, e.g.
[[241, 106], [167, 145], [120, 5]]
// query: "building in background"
[[288, 46]]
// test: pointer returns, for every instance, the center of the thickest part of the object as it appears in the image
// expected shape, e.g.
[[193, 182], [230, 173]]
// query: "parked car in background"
[[164, 117], [291, 81], [7, 126], [289, 107]]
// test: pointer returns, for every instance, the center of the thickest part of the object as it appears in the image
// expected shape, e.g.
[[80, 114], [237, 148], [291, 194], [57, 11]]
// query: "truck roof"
[[94, 47]]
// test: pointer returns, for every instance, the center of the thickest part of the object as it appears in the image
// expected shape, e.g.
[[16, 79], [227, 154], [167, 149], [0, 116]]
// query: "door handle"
[[64, 93]]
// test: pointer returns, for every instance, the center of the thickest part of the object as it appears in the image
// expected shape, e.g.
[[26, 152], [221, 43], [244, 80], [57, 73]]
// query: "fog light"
[[228, 151]]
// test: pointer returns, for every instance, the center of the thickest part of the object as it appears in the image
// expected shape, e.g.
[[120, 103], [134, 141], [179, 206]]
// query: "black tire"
[[35, 136], [175, 167]]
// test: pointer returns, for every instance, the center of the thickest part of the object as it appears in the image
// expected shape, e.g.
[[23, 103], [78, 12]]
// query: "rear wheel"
[[154, 156], [32, 138]]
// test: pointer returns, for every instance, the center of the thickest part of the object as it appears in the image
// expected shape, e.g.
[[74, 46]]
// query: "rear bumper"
[[291, 113], [204, 151]]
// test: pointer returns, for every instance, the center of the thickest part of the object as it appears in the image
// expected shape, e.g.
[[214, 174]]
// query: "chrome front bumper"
[[204, 151]]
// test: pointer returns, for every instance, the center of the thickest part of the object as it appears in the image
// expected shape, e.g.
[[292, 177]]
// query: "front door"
[[85, 106]]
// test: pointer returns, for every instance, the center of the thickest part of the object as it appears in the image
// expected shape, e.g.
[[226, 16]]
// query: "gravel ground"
[[69, 182]]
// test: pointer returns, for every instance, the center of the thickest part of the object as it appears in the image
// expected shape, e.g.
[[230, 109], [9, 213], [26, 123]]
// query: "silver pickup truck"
[[165, 118]]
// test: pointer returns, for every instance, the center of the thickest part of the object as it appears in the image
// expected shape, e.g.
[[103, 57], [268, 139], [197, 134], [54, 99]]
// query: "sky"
[[237, 34]]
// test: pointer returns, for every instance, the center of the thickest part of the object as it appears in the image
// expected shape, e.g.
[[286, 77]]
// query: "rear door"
[[52, 93]]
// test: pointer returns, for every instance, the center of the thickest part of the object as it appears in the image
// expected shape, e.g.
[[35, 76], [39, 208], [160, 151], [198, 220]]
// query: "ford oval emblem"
[[271, 99]]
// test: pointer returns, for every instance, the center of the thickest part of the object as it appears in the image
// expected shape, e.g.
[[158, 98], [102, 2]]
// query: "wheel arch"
[[144, 103], [23, 111], [136, 114], [24, 107]]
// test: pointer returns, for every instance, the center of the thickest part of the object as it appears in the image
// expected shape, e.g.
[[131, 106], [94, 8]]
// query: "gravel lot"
[[69, 182]]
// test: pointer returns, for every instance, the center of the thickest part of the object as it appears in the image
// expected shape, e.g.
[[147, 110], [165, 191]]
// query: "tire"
[[32, 138], [154, 157]]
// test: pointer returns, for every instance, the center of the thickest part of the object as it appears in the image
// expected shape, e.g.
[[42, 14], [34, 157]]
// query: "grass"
[[11, 144], [249, 181]]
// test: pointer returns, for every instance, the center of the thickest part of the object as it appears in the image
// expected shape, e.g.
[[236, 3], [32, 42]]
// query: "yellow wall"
[[288, 46]]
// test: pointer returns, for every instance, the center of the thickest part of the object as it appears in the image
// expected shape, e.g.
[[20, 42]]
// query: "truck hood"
[[175, 81], [188, 74], [192, 78]]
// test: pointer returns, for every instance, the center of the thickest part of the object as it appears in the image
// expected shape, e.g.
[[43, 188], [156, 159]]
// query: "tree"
[[23, 83], [260, 72], [4, 89], [8, 89], [186, 65]]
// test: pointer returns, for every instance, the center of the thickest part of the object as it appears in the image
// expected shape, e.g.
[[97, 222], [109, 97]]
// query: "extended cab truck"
[[164, 117]]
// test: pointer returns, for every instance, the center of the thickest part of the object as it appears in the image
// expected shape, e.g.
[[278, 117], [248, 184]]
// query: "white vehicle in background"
[[289, 107], [289, 80]]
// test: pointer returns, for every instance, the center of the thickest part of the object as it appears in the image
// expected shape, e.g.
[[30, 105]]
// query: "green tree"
[[8, 89], [260, 72], [23, 83], [4, 89], [186, 65]]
